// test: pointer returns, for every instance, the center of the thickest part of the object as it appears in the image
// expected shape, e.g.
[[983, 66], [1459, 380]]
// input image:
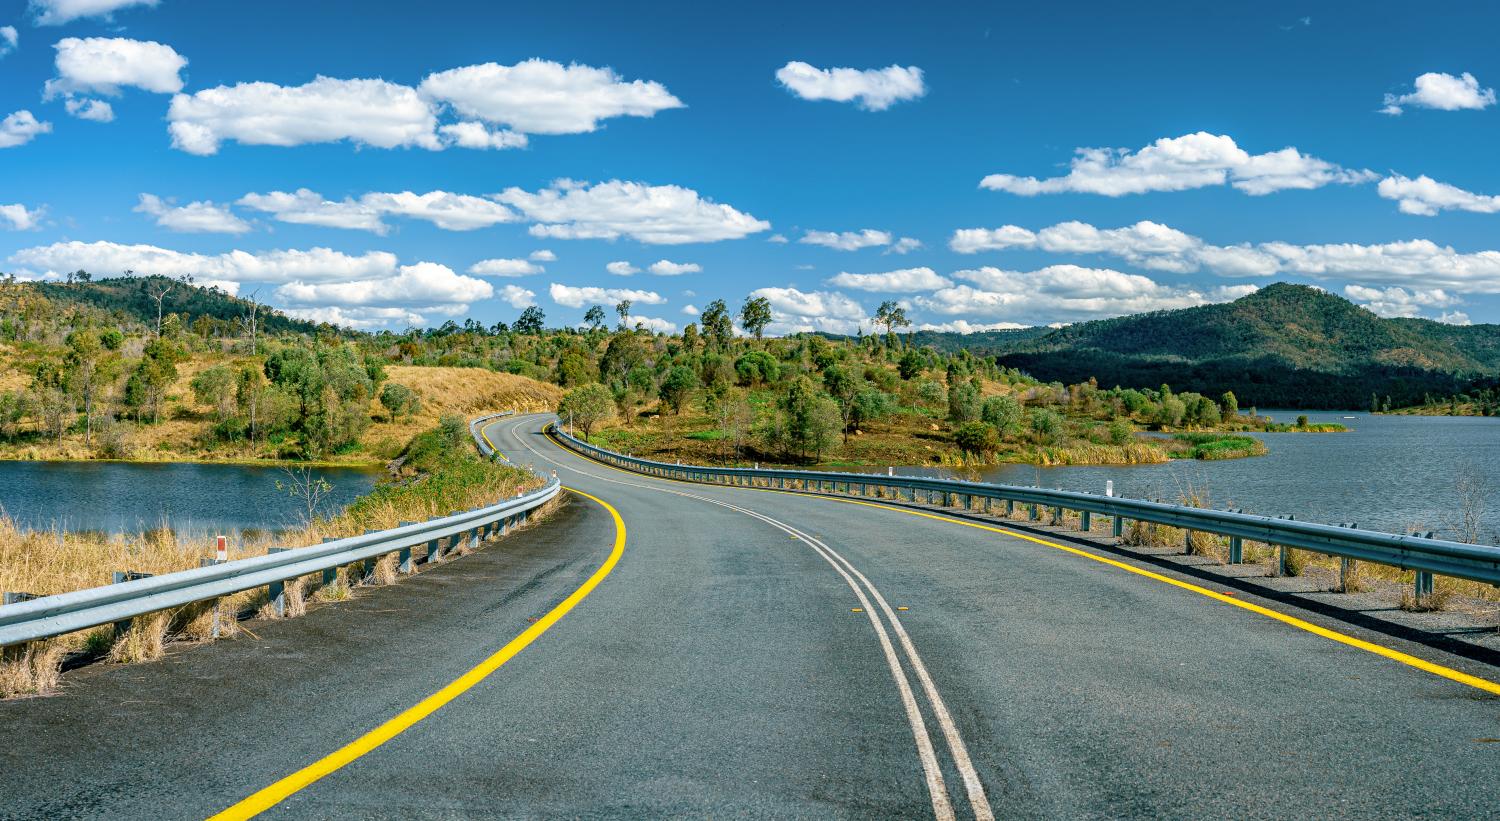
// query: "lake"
[[192, 498], [1390, 473]]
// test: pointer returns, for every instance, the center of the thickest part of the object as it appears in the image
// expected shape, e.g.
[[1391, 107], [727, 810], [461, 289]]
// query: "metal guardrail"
[[1425, 555], [48, 616]]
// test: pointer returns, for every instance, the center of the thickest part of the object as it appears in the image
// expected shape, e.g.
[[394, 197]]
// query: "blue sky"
[[828, 158]]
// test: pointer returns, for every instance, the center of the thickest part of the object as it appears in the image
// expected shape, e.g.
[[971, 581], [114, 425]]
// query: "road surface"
[[753, 653]]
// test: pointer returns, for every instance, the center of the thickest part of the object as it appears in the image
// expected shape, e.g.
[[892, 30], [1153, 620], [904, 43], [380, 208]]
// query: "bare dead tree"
[[159, 296], [249, 324], [1472, 490]]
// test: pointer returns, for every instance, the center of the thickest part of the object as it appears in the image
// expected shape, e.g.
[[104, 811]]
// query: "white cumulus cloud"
[[425, 283], [469, 134], [19, 217], [1443, 92], [873, 89], [653, 214], [905, 245], [57, 12], [905, 280], [368, 112], [9, 39], [88, 108], [452, 212], [1426, 196], [1064, 293], [105, 65], [545, 97], [112, 259], [1395, 301], [1180, 163], [964, 326], [847, 240], [651, 323], [20, 128], [796, 311], [518, 297], [621, 268], [195, 217], [505, 268], [576, 297], [668, 268]]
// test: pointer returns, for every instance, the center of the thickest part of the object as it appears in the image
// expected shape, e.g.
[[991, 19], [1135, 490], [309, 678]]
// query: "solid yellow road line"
[[270, 796], [1449, 673], [484, 433]]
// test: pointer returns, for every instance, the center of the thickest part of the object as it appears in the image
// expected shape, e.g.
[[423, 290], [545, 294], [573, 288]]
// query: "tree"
[[530, 322], [216, 386], [718, 328], [891, 315], [309, 490], [249, 322], [623, 311], [587, 406], [159, 293], [86, 372], [1046, 425], [975, 438], [399, 400], [843, 387], [870, 405], [911, 365], [678, 385], [594, 317], [755, 315], [1229, 405], [156, 372], [756, 367], [1003, 413], [963, 403]]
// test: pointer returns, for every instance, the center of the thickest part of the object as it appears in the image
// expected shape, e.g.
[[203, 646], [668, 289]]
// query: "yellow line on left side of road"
[[485, 433], [269, 797]]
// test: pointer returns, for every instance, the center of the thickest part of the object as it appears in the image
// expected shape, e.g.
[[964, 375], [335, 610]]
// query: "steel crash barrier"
[[1420, 553], [24, 618]]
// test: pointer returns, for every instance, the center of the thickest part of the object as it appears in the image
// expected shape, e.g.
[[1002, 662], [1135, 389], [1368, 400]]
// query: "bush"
[[1003, 413], [976, 438]]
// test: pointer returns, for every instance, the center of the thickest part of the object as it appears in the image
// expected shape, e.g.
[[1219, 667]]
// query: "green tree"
[[1003, 413], [963, 403], [529, 323], [756, 367], [1046, 425], [677, 387], [976, 438], [594, 317], [755, 315], [399, 400], [911, 365], [718, 328], [587, 406]]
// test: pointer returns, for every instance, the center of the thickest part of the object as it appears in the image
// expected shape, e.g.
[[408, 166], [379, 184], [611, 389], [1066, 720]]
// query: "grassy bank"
[[437, 472]]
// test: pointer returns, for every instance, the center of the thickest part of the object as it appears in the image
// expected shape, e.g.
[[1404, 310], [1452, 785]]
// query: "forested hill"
[[1283, 346], [132, 299]]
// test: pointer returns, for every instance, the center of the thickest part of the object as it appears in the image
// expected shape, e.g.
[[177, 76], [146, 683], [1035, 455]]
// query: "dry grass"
[[51, 562]]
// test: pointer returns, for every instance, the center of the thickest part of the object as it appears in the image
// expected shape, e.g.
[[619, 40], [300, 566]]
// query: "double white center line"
[[864, 591]]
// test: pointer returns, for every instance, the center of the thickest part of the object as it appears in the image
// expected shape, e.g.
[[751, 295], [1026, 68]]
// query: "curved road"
[[755, 653]]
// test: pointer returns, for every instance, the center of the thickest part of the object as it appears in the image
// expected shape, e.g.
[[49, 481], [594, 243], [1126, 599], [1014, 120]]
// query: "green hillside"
[[130, 299], [1285, 346]]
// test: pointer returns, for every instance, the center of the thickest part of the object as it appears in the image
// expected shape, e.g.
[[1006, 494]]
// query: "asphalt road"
[[766, 654]]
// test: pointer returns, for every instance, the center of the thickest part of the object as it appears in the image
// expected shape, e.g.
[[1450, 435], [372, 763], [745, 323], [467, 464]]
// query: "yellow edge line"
[[269, 797], [1449, 673], [484, 433]]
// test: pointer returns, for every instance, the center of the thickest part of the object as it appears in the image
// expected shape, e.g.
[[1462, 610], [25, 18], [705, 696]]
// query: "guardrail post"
[[276, 591], [1010, 507], [434, 550], [1057, 515], [1085, 521], [1423, 586], [1036, 512], [1236, 550], [1283, 553], [1118, 526]]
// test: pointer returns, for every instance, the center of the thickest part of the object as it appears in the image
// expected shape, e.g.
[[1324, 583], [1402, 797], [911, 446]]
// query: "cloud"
[[57, 12], [652, 324], [543, 255], [667, 268], [470, 134], [518, 297], [425, 283], [452, 212], [779, 239], [873, 89], [1064, 293], [9, 39], [847, 240], [800, 311], [691, 310], [1426, 196], [1443, 92], [366, 112], [363, 318], [1454, 318], [905, 245], [110, 259], [964, 326], [1414, 262], [195, 217], [974, 240], [105, 65], [904, 280], [90, 109], [1180, 163], [621, 268], [19, 128], [544, 97], [1393, 301], [20, 217], [505, 268], [576, 297], [653, 214]]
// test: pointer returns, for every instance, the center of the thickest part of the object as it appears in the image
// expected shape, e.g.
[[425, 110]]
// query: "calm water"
[[191, 498], [1390, 473]]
